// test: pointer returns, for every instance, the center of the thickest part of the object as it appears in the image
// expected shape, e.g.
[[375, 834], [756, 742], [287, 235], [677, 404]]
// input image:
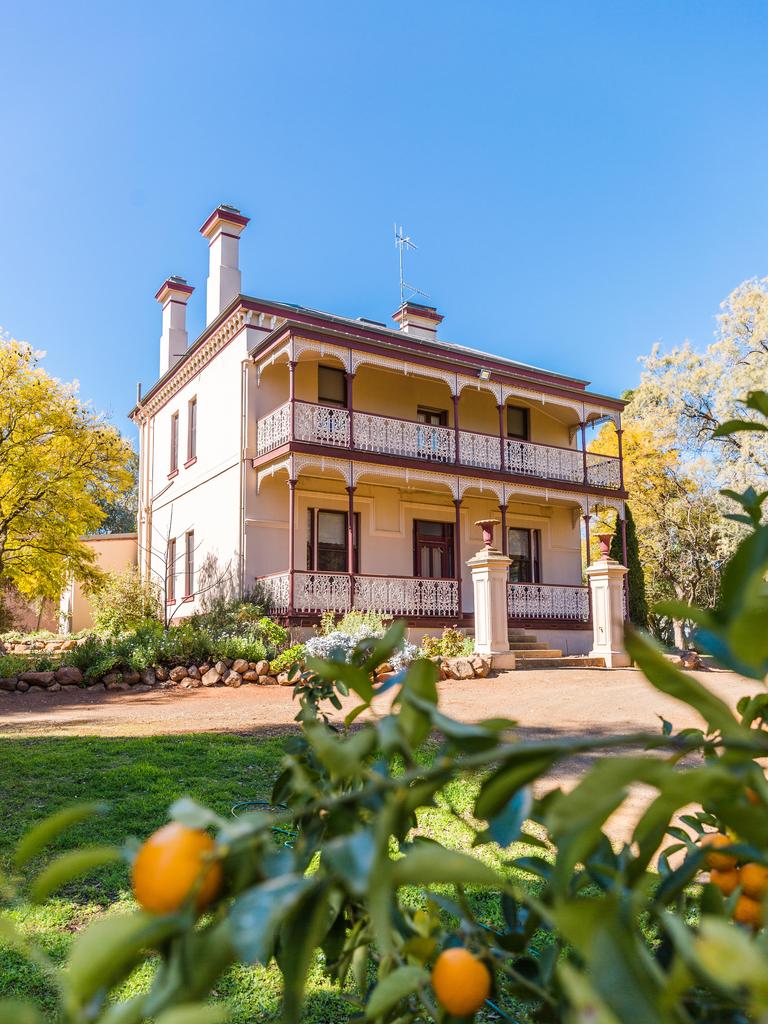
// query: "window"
[[192, 429], [327, 541], [170, 572], [517, 422], [331, 386], [523, 547], [434, 417], [189, 564], [175, 443], [433, 550]]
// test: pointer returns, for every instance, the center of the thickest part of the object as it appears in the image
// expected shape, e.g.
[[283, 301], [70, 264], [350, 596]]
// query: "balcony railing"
[[547, 601], [388, 435], [317, 592]]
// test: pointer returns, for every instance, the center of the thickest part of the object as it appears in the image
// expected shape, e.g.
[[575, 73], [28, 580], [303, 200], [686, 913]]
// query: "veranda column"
[[502, 435], [588, 541], [457, 555], [606, 584], [583, 429], [351, 545], [350, 377], [625, 563], [504, 537], [619, 435], [457, 453], [292, 396], [489, 580], [291, 541]]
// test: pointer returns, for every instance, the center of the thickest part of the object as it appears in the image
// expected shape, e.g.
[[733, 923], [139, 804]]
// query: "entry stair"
[[530, 652]]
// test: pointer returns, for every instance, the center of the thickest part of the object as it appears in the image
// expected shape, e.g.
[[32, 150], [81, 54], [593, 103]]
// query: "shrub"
[[289, 657], [451, 644], [125, 601], [12, 665]]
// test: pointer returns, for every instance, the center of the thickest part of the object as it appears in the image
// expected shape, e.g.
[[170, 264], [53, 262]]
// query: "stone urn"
[[487, 525]]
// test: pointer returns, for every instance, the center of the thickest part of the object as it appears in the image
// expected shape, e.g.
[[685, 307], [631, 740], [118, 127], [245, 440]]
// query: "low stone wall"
[[38, 645], [188, 677]]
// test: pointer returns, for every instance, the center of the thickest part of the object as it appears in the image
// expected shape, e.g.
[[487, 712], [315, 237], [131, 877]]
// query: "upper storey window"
[[331, 386], [175, 443], [517, 422], [192, 429]]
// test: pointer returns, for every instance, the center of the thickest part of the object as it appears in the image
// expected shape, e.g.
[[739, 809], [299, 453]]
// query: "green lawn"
[[140, 778]]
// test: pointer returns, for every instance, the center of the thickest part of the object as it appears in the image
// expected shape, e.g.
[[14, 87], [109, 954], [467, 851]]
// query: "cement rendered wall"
[[115, 552]]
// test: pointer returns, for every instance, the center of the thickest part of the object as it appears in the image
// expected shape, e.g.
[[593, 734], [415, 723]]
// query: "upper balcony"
[[336, 427]]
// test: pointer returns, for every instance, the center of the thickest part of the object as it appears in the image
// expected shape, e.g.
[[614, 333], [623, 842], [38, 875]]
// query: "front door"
[[433, 550], [523, 549]]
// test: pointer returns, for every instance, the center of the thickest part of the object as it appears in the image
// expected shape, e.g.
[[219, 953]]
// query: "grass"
[[140, 778]]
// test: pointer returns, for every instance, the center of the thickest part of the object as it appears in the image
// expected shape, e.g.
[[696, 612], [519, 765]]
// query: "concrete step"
[[573, 661], [529, 645], [539, 654]]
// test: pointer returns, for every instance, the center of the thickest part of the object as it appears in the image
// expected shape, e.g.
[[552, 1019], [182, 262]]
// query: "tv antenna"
[[404, 244]]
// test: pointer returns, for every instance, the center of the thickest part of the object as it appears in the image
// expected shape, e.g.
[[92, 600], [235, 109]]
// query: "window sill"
[[173, 473], [190, 462], [187, 598], [171, 601]]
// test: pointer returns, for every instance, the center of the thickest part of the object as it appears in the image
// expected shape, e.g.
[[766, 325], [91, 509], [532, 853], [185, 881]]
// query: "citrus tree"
[[666, 927]]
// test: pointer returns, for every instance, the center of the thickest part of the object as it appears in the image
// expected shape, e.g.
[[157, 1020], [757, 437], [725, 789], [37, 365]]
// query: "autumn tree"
[[120, 512], [60, 464]]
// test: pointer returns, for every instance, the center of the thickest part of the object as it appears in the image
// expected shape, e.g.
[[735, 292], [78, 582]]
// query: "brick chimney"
[[418, 321], [223, 229], [173, 295]]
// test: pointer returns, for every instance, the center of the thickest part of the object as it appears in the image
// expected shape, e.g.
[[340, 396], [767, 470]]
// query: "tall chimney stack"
[[223, 229], [173, 295], [417, 320]]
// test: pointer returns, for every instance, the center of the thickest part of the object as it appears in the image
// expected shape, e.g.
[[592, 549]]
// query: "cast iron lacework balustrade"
[[603, 471], [274, 429], [322, 424], [391, 436], [321, 592], [541, 460], [480, 450], [277, 589], [547, 601], [393, 595]]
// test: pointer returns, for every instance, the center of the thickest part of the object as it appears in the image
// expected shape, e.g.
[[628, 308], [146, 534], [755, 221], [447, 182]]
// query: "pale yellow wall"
[[114, 553]]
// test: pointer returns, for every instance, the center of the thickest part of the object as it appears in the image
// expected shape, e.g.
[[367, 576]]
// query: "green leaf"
[[504, 828], [728, 956], [107, 951], [683, 612], [585, 1001], [343, 758], [48, 829], [301, 933], [429, 864], [339, 671], [71, 865], [13, 1011], [257, 914], [743, 581], [351, 858], [194, 815], [758, 400], [402, 982], [499, 788], [194, 1013], [734, 426], [665, 677]]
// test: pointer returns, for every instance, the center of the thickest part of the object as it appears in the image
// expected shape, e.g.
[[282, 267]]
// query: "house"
[[337, 463]]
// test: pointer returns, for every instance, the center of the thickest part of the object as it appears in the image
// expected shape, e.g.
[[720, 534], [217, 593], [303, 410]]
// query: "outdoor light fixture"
[[484, 374]]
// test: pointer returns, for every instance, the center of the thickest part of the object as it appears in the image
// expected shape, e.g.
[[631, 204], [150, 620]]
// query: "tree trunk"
[[678, 634]]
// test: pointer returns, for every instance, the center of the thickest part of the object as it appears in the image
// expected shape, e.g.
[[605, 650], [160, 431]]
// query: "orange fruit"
[[726, 881], [753, 796], [748, 911], [721, 861], [461, 982], [754, 881], [173, 863]]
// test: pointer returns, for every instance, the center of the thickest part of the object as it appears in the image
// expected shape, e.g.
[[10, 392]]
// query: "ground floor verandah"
[[333, 535]]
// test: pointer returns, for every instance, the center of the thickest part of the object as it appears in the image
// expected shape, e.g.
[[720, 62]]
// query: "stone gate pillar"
[[489, 581], [606, 585]]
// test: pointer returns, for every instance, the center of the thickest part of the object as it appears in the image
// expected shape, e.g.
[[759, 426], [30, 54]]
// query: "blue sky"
[[582, 179]]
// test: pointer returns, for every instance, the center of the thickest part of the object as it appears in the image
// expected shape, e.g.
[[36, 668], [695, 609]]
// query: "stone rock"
[[21, 686], [251, 676], [142, 688], [460, 668], [70, 689], [233, 678], [148, 677], [37, 689], [161, 673], [69, 645], [178, 673], [68, 675], [240, 665], [204, 668], [193, 672], [97, 688], [284, 679], [189, 683], [690, 660], [262, 667], [211, 677], [221, 667], [266, 680], [131, 678], [482, 666], [37, 678], [112, 677], [8, 683], [228, 662], [117, 684], [54, 687]]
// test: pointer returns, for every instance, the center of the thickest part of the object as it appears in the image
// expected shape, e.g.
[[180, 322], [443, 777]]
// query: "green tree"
[[638, 605], [120, 512]]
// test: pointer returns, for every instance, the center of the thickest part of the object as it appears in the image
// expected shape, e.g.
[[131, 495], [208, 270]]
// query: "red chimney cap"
[[171, 285], [226, 213]]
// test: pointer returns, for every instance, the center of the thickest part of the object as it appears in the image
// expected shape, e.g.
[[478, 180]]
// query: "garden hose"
[[263, 805]]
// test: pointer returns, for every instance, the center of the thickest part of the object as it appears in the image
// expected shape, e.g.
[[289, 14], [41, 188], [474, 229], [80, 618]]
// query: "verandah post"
[[292, 396], [619, 435], [583, 428], [291, 542], [504, 538], [587, 555], [456, 454], [350, 378], [502, 437], [457, 555], [351, 545]]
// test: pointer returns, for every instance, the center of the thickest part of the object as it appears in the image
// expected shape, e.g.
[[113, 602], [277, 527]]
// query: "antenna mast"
[[403, 243]]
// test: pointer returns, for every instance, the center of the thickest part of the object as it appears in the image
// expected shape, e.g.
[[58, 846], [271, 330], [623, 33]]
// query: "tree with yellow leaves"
[[60, 463]]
